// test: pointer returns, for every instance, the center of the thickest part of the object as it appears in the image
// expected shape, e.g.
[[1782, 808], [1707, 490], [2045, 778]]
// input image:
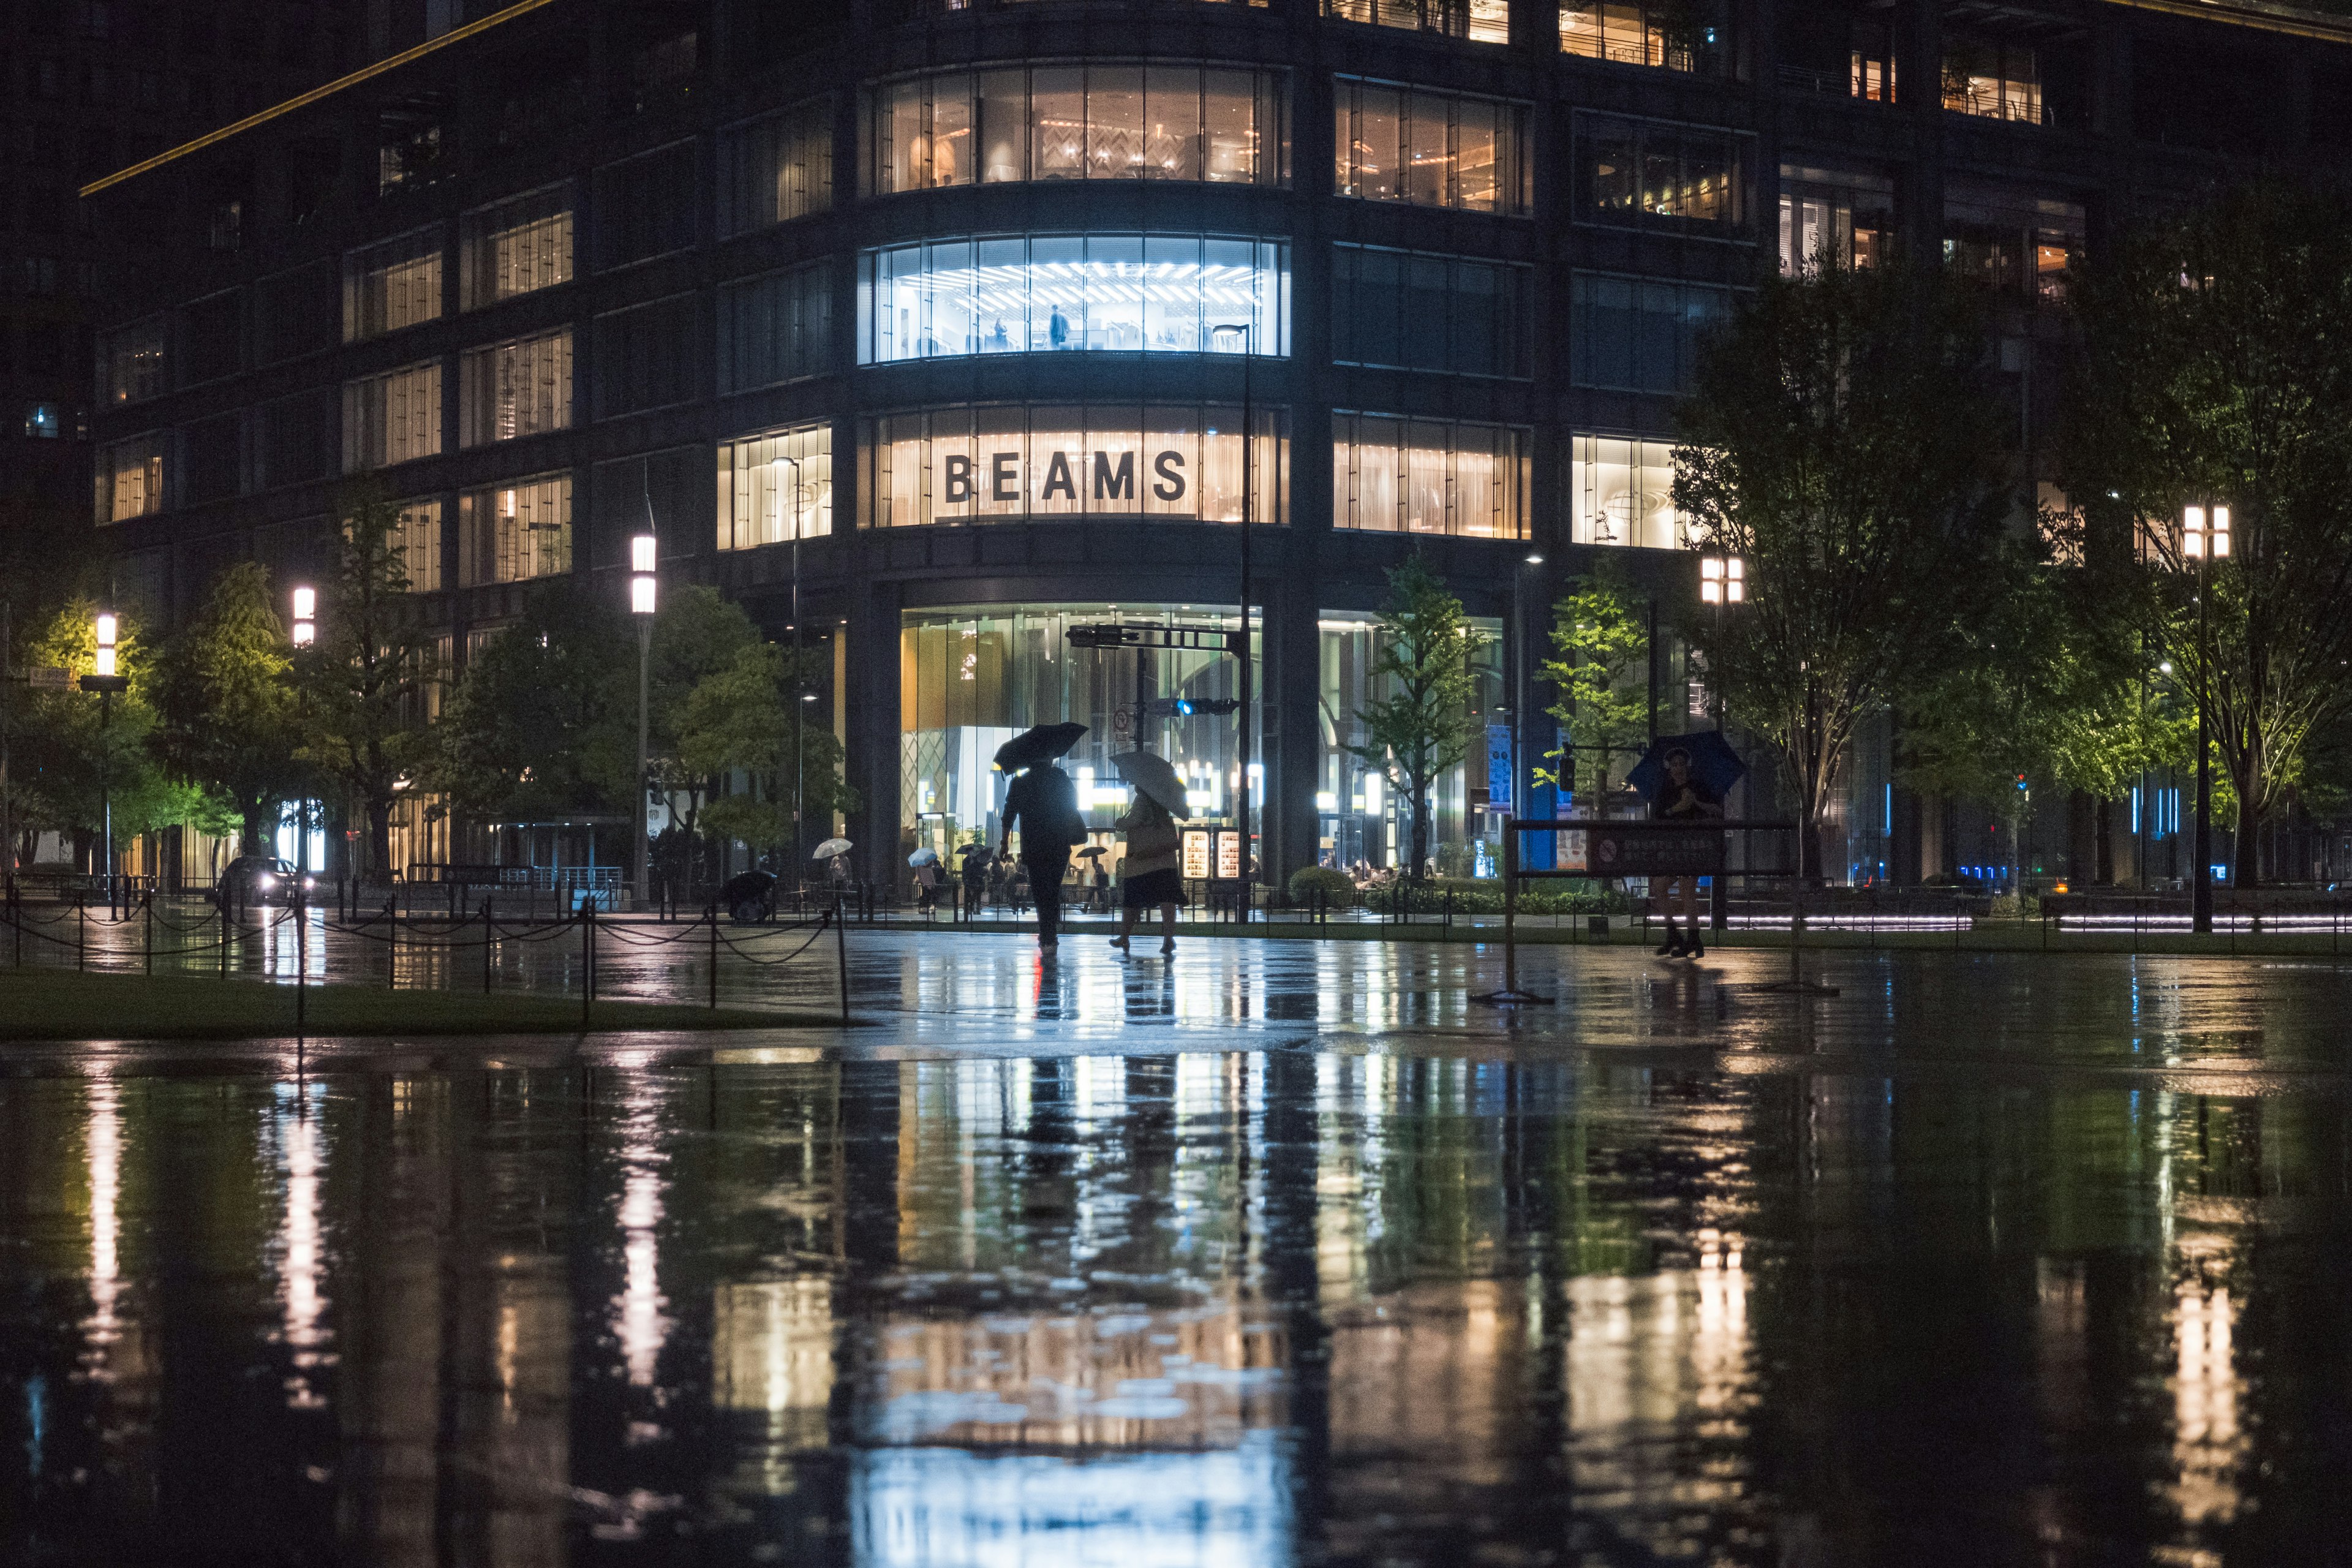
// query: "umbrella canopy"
[[1714, 765], [1041, 744], [924, 857], [829, 848], [1091, 851], [969, 851], [1152, 774]]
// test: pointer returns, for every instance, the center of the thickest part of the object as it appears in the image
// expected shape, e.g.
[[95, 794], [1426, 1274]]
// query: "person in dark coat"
[[1045, 804], [1682, 799]]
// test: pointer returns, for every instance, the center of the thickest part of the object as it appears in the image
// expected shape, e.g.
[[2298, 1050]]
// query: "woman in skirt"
[[1148, 876]]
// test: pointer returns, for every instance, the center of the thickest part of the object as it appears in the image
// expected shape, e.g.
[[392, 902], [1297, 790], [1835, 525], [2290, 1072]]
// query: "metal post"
[[2200, 899], [645, 782], [841, 955], [301, 971], [148, 942], [587, 960], [712, 914], [489, 944]]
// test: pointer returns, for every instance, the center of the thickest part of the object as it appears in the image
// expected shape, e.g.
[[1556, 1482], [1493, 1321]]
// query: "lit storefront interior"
[[1360, 816], [1621, 491], [971, 680]]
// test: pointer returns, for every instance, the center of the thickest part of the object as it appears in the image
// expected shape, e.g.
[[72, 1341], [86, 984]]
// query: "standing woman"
[[1148, 875]]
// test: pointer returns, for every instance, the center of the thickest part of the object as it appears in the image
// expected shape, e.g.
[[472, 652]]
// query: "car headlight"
[[264, 883], [310, 881]]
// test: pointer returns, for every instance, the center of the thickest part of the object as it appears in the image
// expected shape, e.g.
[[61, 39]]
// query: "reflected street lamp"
[[2204, 538], [644, 554]]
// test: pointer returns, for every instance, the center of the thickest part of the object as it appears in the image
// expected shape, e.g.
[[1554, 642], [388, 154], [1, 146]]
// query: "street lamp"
[[1520, 718], [644, 552], [306, 617], [1722, 580], [106, 680], [2204, 538], [799, 721], [1242, 649]]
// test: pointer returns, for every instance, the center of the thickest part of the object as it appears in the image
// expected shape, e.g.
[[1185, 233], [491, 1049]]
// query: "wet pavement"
[[1279, 1252]]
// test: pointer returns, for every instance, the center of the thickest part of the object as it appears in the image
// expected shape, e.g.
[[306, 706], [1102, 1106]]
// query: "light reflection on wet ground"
[[1285, 1253]]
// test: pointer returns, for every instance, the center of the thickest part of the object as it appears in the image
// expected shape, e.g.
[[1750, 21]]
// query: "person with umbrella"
[[976, 863], [928, 879], [1045, 804], [1149, 873], [1682, 796]]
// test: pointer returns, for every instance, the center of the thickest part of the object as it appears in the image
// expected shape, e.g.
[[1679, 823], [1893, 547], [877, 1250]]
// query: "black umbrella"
[[969, 851], [1714, 765], [1041, 744]]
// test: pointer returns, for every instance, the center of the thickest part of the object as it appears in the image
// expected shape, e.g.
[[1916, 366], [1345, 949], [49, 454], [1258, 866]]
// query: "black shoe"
[[1673, 943], [1697, 948]]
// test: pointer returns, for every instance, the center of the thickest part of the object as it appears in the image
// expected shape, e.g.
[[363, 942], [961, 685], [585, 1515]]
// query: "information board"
[[1196, 854]]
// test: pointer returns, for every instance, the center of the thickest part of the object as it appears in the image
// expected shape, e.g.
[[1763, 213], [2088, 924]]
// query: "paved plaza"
[[1277, 1252]]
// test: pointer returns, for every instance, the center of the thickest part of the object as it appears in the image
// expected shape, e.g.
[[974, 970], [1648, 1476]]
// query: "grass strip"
[[53, 1005]]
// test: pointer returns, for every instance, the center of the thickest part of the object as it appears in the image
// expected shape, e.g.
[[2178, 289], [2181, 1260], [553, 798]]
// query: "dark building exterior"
[[959, 325]]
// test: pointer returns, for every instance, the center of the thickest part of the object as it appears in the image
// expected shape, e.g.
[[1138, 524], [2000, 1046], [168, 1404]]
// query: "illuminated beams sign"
[[1179, 461]]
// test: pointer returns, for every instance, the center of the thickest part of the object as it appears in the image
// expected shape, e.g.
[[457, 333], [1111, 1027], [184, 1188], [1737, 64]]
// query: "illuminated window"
[[774, 483], [1393, 475], [1641, 171], [2009, 241], [391, 418], [1430, 149], [418, 540], [519, 247], [511, 533], [515, 389], [1176, 462], [1480, 21], [1831, 217], [1620, 492], [1670, 34], [1101, 120], [1993, 79], [392, 285], [131, 364], [130, 480], [44, 421], [1051, 293]]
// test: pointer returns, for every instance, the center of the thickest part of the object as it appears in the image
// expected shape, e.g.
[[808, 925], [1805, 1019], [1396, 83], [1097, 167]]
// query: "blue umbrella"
[[1714, 765]]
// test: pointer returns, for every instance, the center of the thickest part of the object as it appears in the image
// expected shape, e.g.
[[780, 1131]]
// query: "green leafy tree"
[[362, 684], [1842, 437], [2214, 370], [697, 634], [1600, 636], [1419, 728], [737, 723], [230, 718], [544, 722], [76, 755]]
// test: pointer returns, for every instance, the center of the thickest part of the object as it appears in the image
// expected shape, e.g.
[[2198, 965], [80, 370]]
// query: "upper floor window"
[[392, 285], [131, 362], [646, 205], [2011, 242], [1419, 312], [775, 487], [131, 477], [511, 390], [1394, 475], [1621, 491], [1995, 78], [1433, 149], [1094, 122], [395, 418], [776, 168], [418, 540], [1045, 293], [1645, 171], [1830, 217], [776, 327], [514, 532], [1673, 35], [1640, 335], [1480, 21], [519, 247], [44, 421]]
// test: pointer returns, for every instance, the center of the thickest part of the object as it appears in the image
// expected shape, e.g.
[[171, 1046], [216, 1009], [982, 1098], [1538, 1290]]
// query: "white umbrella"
[[1152, 774], [831, 847], [926, 857]]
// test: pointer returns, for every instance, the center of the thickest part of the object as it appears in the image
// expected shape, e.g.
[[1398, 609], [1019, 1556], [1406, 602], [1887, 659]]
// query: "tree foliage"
[[74, 754], [738, 724], [1600, 636], [543, 725], [1419, 728], [229, 718], [2216, 367], [1844, 438]]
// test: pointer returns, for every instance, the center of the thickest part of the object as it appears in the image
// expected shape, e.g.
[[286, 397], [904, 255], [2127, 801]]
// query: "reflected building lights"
[[103, 1154], [2208, 1444], [640, 1323]]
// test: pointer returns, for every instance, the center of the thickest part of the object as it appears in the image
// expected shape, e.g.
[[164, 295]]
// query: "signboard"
[[1196, 854], [1570, 849], [1651, 849], [49, 678], [1498, 768], [1229, 855]]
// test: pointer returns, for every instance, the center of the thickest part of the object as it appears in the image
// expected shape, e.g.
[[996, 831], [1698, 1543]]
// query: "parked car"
[[265, 880]]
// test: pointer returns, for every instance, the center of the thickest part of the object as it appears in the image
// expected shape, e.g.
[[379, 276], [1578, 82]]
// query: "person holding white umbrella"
[[1150, 874]]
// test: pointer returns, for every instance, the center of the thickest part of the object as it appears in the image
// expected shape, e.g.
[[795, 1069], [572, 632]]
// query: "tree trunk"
[[252, 837], [1419, 835], [2245, 848], [2103, 849], [379, 815]]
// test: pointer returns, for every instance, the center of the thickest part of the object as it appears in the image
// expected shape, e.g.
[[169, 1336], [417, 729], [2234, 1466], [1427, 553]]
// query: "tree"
[[1844, 438], [230, 721], [2213, 370], [362, 684], [544, 722], [1600, 636], [78, 758], [736, 722], [1419, 730], [697, 634]]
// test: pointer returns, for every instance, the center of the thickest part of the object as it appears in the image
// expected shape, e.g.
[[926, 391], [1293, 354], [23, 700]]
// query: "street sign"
[[49, 677], [1651, 849]]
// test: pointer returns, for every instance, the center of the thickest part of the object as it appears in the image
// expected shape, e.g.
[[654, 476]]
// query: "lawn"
[[53, 1004]]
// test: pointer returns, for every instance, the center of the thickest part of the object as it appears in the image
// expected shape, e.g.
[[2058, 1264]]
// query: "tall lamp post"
[[1520, 718], [2204, 539], [644, 554], [1722, 583], [304, 634], [106, 680], [800, 722], [1248, 332]]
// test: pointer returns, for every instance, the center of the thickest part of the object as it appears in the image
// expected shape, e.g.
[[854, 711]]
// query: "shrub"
[[1336, 887]]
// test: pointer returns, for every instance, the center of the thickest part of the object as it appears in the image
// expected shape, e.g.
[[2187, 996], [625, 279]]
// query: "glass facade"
[[971, 680], [776, 168], [1831, 217], [1640, 335], [395, 418], [419, 543], [1480, 21], [775, 487], [1101, 120], [515, 247], [1051, 293], [1645, 171], [1361, 820], [1417, 311], [1395, 143], [511, 533], [1394, 475], [1621, 491], [1169, 461], [511, 390], [132, 366], [2011, 242], [775, 328], [392, 285], [1993, 77], [1670, 34], [129, 482]]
